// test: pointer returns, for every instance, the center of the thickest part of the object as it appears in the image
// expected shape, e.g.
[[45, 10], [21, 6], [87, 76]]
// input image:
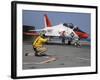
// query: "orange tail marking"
[[47, 21]]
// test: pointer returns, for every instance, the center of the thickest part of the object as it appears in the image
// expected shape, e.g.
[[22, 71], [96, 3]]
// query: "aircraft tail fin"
[[47, 22]]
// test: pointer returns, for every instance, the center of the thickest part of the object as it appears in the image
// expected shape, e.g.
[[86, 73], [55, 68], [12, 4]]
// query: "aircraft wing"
[[38, 30], [30, 34]]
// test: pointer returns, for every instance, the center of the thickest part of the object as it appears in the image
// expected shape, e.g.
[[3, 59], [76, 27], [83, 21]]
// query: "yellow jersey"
[[39, 41]]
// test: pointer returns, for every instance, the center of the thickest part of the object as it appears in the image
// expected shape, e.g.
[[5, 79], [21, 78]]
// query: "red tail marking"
[[47, 21]]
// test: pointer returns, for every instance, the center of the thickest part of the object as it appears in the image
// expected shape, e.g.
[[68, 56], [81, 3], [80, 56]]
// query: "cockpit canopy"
[[78, 30], [70, 25]]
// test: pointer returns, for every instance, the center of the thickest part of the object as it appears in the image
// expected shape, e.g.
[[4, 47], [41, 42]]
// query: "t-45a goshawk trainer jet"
[[68, 30]]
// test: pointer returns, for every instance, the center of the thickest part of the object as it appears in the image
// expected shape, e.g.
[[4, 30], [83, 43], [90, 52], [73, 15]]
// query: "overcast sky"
[[36, 18]]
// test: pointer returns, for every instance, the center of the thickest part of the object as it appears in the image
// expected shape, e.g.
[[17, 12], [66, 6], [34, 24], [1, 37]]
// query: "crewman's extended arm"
[[44, 40]]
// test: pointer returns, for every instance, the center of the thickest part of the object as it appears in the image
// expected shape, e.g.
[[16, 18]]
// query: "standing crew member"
[[63, 37]]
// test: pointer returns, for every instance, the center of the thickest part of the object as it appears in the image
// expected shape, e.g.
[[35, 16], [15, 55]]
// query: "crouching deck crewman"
[[38, 45]]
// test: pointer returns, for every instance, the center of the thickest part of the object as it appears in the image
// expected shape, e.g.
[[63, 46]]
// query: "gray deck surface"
[[67, 56]]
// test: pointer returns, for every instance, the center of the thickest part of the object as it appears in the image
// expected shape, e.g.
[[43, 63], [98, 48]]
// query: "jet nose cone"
[[85, 36]]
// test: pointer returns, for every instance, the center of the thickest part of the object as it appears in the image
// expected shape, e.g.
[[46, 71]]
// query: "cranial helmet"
[[42, 34]]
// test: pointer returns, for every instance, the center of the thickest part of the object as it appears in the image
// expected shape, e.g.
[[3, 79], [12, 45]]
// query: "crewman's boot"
[[26, 54]]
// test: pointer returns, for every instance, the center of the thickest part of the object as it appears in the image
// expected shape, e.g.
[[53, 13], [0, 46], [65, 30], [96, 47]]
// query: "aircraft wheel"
[[77, 44], [69, 42]]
